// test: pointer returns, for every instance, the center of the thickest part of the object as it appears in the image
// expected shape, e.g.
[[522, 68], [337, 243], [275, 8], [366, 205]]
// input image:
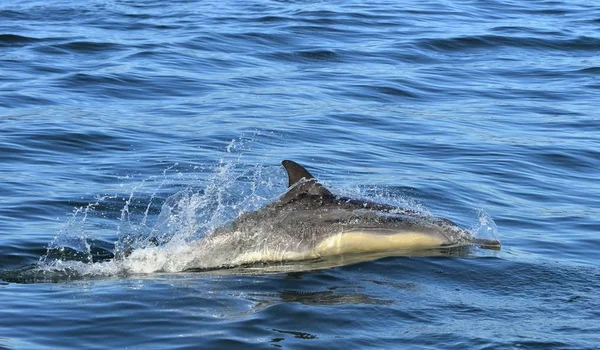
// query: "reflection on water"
[[296, 334], [328, 297], [299, 335]]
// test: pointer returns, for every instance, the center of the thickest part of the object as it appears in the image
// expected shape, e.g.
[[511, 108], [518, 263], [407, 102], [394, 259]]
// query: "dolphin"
[[310, 222]]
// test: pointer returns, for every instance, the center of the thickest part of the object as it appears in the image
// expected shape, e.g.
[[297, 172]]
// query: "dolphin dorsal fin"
[[304, 181], [296, 172]]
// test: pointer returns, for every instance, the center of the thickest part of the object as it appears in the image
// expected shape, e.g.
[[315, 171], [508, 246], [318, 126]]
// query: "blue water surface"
[[125, 124]]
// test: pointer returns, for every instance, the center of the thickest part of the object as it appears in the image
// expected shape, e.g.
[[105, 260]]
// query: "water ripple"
[[469, 110]]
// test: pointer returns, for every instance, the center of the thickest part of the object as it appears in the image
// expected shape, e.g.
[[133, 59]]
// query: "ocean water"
[[130, 129]]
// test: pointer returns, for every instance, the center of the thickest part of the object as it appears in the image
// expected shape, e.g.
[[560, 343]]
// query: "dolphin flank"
[[309, 222]]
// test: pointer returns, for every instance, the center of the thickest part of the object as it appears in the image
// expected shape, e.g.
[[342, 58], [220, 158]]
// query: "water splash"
[[73, 240], [152, 237], [485, 228], [167, 237]]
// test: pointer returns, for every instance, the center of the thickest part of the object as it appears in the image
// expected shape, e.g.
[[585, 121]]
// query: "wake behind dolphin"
[[309, 222]]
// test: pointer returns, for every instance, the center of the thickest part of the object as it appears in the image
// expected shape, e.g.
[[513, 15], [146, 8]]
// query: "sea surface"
[[134, 128]]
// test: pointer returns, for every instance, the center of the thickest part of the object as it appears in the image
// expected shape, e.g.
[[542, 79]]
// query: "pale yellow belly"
[[364, 242], [350, 242]]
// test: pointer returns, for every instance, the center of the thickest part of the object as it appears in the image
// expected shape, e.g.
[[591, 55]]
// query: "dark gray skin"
[[309, 213]]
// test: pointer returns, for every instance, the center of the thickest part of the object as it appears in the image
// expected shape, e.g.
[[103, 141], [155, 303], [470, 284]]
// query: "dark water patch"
[[306, 56], [165, 27], [71, 142], [570, 160], [395, 92], [10, 40], [146, 54], [12, 14], [131, 85], [89, 47], [44, 68], [299, 335], [588, 226], [139, 16], [590, 70], [15, 254], [12, 152], [527, 31], [16, 100], [593, 86], [466, 43], [272, 19], [78, 80], [388, 92]]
